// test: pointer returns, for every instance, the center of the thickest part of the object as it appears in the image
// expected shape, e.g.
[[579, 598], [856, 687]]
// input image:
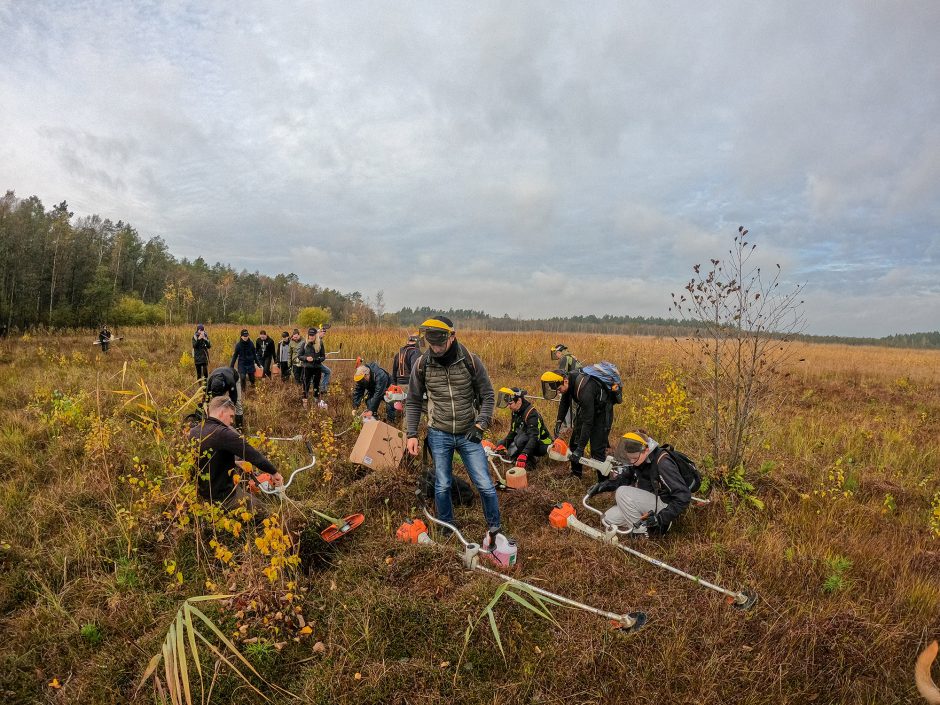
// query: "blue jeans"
[[442, 446], [325, 379]]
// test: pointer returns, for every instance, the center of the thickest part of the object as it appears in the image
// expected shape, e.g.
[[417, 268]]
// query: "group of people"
[[450, 385]]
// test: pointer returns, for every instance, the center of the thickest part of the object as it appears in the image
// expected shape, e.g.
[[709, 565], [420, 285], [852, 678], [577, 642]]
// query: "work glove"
[[522, 460], [557, 428], [475, 434], [575, 456], [601, 487], [651, 523]]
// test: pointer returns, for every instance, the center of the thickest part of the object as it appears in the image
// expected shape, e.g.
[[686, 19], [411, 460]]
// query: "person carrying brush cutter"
[[528, 438], [219, 446], [454, 387], [651, 493], [593, 413]]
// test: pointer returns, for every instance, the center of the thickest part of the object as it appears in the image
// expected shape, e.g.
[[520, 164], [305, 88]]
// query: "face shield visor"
[[506, 396], [550, 383]]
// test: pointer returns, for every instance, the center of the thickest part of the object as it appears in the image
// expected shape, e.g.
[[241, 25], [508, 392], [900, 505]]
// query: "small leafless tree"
[[746, 323]]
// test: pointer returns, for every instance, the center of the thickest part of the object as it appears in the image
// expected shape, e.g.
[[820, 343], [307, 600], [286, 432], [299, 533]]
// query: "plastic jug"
[[503, 551]]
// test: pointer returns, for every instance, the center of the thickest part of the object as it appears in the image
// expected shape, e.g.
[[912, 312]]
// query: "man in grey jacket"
[[460, 404]]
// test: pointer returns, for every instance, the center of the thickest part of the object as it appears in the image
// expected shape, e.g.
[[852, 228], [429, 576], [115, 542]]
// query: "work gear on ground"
[[372, 390], [219, 445]]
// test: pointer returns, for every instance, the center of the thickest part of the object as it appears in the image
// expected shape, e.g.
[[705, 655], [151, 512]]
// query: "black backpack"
[[688, 470]]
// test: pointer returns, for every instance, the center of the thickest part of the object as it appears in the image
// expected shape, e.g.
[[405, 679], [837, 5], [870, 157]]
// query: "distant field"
[[100, 541]]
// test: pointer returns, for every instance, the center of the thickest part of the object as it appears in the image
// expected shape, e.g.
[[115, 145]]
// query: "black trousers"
[[266, 366], [202, 370], [285, 371], [598, 437], [312, 376]]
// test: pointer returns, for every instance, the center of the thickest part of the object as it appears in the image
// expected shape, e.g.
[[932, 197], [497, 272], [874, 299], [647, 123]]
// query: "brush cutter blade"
[[747, 599], [350, 524], [639, 621]]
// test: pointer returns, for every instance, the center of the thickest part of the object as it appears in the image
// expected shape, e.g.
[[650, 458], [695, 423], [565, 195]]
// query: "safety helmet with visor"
[[550, 383], [558, 350], [436, 331], [507, 395]]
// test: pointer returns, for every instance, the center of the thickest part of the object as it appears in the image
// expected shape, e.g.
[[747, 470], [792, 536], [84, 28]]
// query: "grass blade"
[[495, 630], [181, 657], [231, 665], [541, 611]]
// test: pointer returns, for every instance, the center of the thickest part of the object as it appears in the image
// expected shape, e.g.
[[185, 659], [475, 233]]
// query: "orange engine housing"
[[559, 515], [411, 530]]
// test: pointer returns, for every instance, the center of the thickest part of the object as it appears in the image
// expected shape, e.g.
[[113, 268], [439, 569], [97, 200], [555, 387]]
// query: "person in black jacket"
[[593, 415], [311, 355], [264, 351], [651, 494], [246, 359], [104, 338], [201, 347], [528, 437], [371, 383], [224, 381], [219, 445]]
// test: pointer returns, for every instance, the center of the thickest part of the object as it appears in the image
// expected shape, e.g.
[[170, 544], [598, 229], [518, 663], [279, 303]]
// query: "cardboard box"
[[379, 446]]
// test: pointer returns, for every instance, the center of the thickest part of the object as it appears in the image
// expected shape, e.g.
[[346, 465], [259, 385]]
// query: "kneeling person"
[[219, 445], [528, 438], [651, 494], [371, 383]]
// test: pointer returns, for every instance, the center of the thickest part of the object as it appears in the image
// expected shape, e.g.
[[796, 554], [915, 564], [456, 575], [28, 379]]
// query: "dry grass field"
[[101, 540]]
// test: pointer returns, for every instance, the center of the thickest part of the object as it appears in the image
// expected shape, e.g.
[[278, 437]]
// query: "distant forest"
[[64, 272]]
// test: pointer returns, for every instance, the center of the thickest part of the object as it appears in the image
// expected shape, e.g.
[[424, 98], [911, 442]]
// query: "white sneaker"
[[322, 404]]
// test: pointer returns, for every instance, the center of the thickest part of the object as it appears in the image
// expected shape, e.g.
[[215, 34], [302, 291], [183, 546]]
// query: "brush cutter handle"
[[453, 528], [282, 489]]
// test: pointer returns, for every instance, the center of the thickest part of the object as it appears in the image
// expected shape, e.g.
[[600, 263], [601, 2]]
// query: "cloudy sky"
[[526, 158]]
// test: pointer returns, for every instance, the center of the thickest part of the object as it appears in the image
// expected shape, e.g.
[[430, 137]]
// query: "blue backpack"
[[609, 376]]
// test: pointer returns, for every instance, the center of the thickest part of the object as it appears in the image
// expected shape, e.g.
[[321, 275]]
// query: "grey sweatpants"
[[632, 503]]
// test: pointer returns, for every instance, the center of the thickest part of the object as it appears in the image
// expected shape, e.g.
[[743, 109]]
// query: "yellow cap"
[[360, 373]]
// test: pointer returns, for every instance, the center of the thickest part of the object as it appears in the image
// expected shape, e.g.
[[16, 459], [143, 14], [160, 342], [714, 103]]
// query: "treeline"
[[633, 325], [64, 272]]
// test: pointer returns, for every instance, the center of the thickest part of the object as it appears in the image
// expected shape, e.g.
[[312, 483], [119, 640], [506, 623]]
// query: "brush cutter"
[[415, 531], [337, 528], [564, 516], [516, 478], [110, 340], [559, 451]]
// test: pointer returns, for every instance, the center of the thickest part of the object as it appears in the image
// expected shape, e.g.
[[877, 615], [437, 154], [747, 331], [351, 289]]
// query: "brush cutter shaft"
[[453, 528], [282, 489], [625, 619]]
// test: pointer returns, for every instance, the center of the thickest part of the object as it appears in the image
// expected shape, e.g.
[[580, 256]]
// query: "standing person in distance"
[[311, 355], [566, 361], [104, 338], [264, 351], [459, 406], [295, 345], [404, 360], [326, 372], [246, 359], [283, 356], [201, 347]]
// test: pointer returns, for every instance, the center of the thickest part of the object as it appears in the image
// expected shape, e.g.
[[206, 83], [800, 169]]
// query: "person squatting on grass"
[[246, 359], [219, 446], [651, 492], [459, 403], [264, 351], [528, 438], [201, 347], [371, 383], [312, 353]]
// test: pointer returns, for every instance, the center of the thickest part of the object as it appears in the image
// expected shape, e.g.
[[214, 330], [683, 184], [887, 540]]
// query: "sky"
[[529, 158]]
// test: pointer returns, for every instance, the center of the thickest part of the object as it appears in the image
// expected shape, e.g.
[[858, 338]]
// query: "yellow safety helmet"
[[436, 330], [633, 442], [550, 382], [507, 395]]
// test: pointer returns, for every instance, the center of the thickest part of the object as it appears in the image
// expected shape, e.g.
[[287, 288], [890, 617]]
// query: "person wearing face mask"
[[651, 493], [451, 384]]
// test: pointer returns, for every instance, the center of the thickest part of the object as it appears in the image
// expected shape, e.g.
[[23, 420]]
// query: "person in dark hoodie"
[[459, 405], [651, 494], [219, 446], [371, 383], [224, 382], [404, 360], [201, 347], [246, 359], [264, 351], [593, 414], [528, 438]]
